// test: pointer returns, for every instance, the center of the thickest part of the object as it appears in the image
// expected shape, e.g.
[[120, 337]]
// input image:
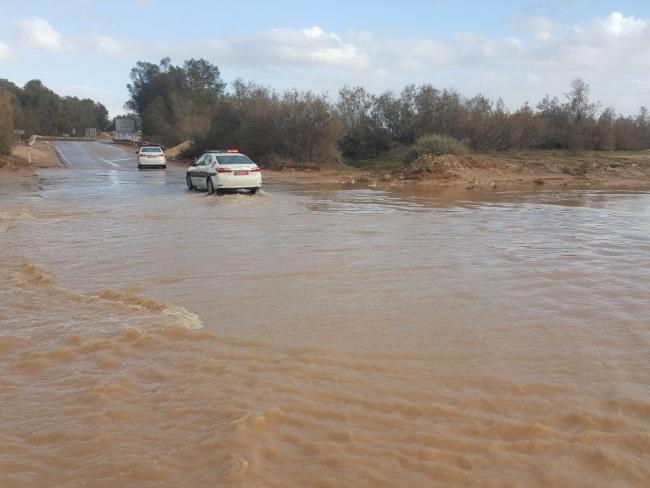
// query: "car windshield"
[[234, 159], [150, 150]]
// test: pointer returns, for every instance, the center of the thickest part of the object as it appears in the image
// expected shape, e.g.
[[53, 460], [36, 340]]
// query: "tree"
[[203, 78], [527, 129], [365, 133], [579, 106], [175, 102], [6, 121], [41, 108], [605, 136], [309, 129], [581, 113], [38, 110]]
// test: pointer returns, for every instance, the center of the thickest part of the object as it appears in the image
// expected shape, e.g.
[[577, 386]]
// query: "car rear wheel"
[[190, 186], [210, 186]]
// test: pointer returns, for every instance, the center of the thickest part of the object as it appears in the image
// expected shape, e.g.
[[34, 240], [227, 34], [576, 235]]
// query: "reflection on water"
[[349, 337]]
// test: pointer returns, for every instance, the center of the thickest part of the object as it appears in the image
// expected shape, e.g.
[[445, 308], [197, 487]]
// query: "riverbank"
[[483, 171], [27, 158], [535, 169]]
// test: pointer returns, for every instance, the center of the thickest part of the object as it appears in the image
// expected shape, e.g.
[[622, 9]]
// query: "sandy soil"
[[492, 171], [41, 155], [176, 151]]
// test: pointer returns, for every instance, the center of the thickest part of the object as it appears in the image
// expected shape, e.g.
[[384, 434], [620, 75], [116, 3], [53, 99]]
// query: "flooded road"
[[317, 336]]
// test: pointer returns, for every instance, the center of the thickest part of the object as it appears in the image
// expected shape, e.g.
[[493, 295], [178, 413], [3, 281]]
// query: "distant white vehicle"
[[149, 156], [217, 171]]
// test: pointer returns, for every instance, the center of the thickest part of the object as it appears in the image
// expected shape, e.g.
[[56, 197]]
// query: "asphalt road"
[[95, 155]]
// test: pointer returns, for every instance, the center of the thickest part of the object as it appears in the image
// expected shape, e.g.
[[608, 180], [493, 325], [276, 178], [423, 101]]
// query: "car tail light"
[[256, 170], [224, 170]]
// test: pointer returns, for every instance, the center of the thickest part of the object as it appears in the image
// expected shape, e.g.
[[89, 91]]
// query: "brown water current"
[[320, 337]]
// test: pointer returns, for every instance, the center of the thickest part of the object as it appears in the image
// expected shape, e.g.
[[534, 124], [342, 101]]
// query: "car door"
[[206, 166], [198, 179]]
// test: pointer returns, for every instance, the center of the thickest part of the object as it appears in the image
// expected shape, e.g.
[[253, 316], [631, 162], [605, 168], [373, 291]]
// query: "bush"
[[436, 145], [443, 167]]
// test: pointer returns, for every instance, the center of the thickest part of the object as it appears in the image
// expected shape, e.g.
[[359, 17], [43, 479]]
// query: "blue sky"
[[518, 50]]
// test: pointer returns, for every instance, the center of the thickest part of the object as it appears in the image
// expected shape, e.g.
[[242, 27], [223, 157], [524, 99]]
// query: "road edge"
[[62, 159]]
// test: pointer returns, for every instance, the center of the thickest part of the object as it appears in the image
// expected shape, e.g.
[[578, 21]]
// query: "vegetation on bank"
[[435, 145], [302, 129], [191, 102]]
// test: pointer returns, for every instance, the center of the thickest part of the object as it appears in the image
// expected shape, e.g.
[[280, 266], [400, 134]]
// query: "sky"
[[519, 50]]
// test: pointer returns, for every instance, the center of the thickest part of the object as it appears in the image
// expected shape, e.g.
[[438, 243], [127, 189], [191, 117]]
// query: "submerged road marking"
[[110, 162]]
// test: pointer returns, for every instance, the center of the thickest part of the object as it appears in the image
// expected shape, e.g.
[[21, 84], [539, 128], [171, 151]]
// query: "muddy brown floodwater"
[[325, 337]]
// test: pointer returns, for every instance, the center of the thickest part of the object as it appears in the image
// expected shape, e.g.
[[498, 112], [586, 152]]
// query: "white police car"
[[217, 171]]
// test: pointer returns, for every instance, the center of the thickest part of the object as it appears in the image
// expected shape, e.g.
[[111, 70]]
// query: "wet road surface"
[[314, 336], [95, 155]]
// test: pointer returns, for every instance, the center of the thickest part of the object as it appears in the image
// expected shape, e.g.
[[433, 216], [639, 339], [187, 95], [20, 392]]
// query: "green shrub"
[[436, 145]]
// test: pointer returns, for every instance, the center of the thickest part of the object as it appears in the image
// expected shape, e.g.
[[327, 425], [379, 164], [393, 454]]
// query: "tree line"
[[174, 103], [36, 109], [190, 101]]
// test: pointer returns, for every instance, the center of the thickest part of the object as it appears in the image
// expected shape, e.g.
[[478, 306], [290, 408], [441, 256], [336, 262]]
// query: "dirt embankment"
[[622, 170], [25, 158]]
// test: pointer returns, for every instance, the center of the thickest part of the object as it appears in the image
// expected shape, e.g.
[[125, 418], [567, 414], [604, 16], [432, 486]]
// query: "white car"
[[217, 171], [149, 156]]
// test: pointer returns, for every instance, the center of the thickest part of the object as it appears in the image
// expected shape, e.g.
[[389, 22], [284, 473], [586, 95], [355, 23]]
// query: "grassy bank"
[[25, 157]]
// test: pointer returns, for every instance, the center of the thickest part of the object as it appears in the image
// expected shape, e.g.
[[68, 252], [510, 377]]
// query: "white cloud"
[[39, 34], [107, 45], [619, 25], [541, 28], [5, 52], [614, 43], [285, 47]]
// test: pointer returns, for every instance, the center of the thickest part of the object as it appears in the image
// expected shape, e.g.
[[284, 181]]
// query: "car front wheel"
[[190, 186]]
